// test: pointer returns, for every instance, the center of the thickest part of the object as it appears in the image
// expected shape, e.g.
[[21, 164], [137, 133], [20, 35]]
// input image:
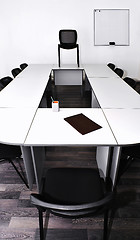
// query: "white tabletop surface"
[[27, 89], [50, 128], [15, 124], [114, 93], [125, 124], [36, 70], [98, 70], [20, 99]]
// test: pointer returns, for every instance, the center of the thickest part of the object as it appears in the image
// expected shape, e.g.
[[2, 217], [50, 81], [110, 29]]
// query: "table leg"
[[28, 164], [103, 160], [38, 156], [108, 160], [115, 165]]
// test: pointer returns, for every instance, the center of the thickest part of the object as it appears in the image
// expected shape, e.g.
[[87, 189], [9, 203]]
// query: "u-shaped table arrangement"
[[115, 107]]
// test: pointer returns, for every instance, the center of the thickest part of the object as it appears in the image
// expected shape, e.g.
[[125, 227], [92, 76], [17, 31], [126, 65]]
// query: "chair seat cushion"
[[72, 186], [68, 45]]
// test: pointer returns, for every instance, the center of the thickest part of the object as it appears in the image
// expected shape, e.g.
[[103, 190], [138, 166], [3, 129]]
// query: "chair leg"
[[78, 56], [105, 233], [41, 224], [58, 55], [22, 178]]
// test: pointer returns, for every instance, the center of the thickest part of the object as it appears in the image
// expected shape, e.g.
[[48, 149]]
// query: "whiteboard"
[[111, 27]]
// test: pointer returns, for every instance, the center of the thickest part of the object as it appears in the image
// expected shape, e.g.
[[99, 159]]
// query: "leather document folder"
[[82, 123]]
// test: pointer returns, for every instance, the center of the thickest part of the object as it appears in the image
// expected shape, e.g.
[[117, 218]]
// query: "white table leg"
[[28, 164], [102, 158], [115, 165], [38, 156]]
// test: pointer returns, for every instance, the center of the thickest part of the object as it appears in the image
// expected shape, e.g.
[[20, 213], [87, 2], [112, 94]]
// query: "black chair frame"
[[130, 81], [10, 153], [119, 72], [23, 66], [73, 210], [16, 71], [111, 65], [66, 43]]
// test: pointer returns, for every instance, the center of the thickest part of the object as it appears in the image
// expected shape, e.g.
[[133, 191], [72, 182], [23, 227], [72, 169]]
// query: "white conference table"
[[98, 71], [125, 126], [114, 93], [15, 124], [50, 129], [37, 128], [27, 89]]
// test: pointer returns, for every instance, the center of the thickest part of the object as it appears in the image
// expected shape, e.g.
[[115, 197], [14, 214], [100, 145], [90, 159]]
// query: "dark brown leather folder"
[[82, 123]]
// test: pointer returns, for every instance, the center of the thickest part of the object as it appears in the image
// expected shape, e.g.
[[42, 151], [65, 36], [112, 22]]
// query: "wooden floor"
[[19, 219]]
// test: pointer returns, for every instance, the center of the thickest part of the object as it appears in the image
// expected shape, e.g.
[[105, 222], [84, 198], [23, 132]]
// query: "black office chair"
[[73, 192], [10, 153], [131, 82], [23, 66], [16, 71], [111, 65], [6, 80], [1, 86], [68, 40], [119, 72]]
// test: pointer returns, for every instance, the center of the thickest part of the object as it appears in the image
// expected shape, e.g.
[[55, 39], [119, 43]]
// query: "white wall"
[[29, 33]]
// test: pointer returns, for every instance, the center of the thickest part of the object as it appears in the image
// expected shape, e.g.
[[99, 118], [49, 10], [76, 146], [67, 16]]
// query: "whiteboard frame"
[[127, 26]]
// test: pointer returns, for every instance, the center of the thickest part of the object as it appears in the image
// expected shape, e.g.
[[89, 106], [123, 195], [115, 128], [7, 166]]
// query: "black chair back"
[[119, 72], [6, 80], [68, 38], [1, 86], [23, 66], [131, 82], [111, 65], [16, 71]]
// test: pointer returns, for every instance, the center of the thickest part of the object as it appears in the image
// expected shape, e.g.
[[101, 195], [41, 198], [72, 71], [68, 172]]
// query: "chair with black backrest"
[[23, 66], [111, 65], [16, 71], [6, 80], [10, 153], [1, 86], [131, 82], [119, 72], [73, 192], [68, 40]]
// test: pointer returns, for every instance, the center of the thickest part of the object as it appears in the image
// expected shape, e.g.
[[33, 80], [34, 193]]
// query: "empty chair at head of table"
[[23, 66], [6, 80], [119, 72], [16, 71], [11, 153], [68, 40], [111, 65], [130, 81], [73, 192]]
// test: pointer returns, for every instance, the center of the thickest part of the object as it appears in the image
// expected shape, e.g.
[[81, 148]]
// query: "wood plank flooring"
[[19, 219]]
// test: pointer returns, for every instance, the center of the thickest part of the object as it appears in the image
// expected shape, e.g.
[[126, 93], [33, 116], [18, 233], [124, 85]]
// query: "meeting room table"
[[33, 128]]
